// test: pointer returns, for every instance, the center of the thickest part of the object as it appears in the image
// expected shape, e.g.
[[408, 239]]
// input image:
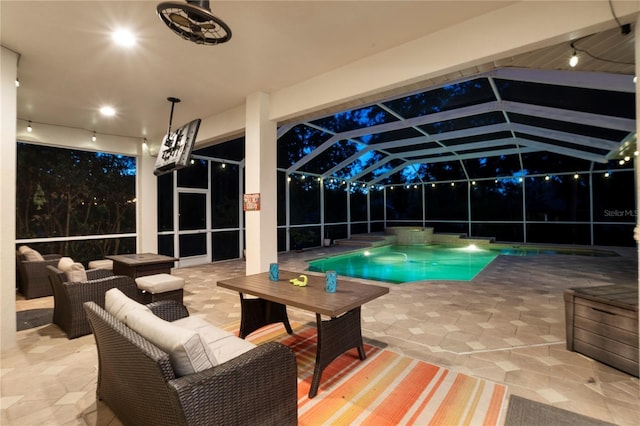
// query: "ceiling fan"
[[193, 21]]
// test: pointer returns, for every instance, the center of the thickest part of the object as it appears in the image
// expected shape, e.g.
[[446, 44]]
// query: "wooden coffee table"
[[340, 332], [141, 264]]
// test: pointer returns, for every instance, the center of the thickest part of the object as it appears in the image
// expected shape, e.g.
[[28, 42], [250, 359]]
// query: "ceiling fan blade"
[[179, 19]]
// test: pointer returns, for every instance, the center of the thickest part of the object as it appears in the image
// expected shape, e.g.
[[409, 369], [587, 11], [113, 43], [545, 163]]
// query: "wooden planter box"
[[602, 323]]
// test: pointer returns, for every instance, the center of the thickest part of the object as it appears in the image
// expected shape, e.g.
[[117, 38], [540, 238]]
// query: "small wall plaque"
[[251, 202]]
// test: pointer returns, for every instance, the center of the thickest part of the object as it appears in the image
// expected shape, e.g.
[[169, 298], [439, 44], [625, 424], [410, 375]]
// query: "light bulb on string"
[[29, 128], [93, 138], [573, 61]]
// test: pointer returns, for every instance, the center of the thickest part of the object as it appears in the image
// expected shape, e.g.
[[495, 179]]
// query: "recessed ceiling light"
[[124, 37], [108, 111]]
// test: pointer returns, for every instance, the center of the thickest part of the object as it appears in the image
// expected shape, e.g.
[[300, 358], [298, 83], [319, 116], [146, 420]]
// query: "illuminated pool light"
[[470, 248]]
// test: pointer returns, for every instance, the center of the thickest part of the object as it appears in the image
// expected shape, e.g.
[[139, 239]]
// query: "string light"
[[573, 61], [29, 128], [93, 138], [17, 83]]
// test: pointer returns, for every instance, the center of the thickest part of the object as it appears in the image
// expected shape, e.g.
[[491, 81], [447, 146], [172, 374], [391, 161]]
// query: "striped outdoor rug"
[[385, 389]]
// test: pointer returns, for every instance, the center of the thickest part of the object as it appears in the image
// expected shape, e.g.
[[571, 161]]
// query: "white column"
[[8, 170], [261, 178], [146, 202]]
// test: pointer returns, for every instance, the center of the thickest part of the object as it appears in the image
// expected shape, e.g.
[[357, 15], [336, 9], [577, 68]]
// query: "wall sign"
[[251, 202]]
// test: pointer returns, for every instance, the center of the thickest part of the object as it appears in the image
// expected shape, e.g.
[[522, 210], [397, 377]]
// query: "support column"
[[261, 178], [146, 202], [8, 170]]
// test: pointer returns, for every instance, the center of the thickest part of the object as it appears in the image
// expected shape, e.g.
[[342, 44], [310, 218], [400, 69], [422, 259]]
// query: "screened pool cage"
[[517, 155]]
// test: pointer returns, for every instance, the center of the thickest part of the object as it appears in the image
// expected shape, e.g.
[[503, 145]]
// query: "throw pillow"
[[76, 273], [185, 348], [33, 256], [64, 264], [119, 305]]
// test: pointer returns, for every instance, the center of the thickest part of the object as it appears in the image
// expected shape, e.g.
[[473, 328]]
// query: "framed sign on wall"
[[251, 202]]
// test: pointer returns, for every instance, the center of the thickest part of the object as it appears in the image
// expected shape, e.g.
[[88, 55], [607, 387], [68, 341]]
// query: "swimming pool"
[[401, 264]]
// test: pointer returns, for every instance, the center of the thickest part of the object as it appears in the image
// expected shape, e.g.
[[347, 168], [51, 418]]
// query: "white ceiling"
[[69, 67]]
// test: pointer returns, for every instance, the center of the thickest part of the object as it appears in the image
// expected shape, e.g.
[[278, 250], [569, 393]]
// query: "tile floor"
[[507, 326]]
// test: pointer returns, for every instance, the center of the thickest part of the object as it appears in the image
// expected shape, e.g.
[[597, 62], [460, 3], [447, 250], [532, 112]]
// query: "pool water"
[[401, 264]]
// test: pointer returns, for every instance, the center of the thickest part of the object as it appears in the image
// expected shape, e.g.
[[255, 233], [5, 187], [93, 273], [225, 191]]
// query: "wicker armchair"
[[33, 280], [68, 297], [137, 381]]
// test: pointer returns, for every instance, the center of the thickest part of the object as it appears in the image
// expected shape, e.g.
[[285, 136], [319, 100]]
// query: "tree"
[[63, 193]]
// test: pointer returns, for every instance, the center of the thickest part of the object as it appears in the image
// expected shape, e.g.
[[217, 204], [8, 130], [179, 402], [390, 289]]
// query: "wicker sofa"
[[69, 296], [138, 381]]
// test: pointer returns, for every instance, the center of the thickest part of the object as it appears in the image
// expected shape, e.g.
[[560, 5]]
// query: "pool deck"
[[507, 325]]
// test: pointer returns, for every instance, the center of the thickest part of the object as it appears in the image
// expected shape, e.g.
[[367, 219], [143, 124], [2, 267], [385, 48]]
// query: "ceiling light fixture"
[[124, 38], [194, 22], [17, 83], [93, 138], [108, 111], [29, 128]]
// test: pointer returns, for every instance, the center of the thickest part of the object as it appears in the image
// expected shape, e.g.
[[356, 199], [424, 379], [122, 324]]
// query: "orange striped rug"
[[385, 389]]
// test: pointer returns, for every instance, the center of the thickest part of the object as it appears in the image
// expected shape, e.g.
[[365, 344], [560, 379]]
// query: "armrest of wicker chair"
[[168, 310], [257, 387], [94, 274]]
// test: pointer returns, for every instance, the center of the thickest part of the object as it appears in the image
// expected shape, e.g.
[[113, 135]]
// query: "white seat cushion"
[[119, 305], [159, 283], [209, 332], [224, 345], [229, 347], [101, 264]]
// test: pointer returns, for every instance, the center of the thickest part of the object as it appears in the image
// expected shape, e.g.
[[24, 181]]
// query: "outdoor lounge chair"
[[68, 297], [33, 278]]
